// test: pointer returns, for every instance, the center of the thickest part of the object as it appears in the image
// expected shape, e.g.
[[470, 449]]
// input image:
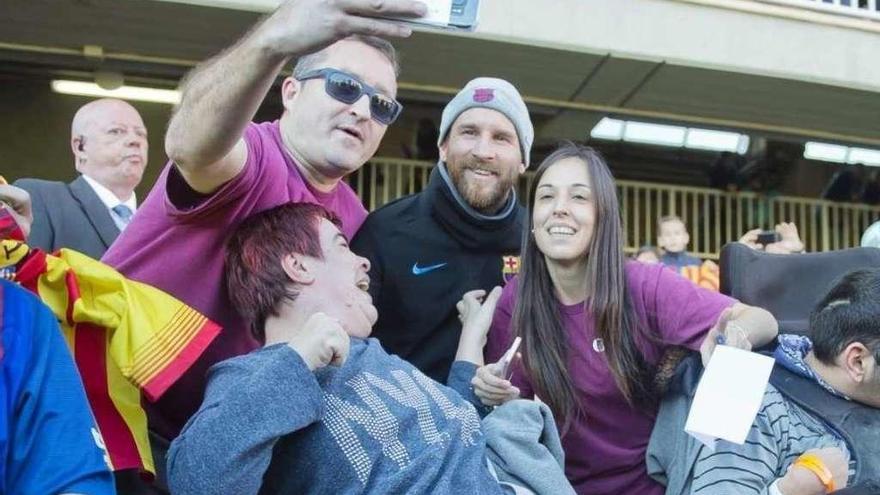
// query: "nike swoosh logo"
[[421, 270]]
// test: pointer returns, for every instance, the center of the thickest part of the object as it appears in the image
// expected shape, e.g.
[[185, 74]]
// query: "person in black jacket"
[[461, 233]]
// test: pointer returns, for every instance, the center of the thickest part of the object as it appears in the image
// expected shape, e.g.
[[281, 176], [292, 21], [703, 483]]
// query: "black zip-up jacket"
[[426, 250]]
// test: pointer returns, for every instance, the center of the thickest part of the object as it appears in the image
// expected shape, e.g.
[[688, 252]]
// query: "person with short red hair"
[[322, 408]]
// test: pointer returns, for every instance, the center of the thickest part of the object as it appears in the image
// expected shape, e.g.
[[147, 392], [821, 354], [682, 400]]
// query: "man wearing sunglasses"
[[223, 168], [461, 233]]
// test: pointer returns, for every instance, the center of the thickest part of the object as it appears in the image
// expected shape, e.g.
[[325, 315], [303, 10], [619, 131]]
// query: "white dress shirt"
[[110, 201]]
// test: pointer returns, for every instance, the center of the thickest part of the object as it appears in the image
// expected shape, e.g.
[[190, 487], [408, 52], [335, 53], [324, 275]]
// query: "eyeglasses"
[[347, 88]]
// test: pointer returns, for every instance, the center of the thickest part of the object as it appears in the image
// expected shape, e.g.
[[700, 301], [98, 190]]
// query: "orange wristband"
[[817, 467]]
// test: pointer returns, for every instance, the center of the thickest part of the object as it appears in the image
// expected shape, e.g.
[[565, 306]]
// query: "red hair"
[[256, 282]]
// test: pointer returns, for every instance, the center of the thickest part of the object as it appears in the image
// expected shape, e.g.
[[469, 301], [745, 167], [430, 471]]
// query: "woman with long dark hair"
[[594, 325]]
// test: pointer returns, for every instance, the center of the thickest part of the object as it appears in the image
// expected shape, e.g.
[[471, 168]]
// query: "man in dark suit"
[[109, 144]]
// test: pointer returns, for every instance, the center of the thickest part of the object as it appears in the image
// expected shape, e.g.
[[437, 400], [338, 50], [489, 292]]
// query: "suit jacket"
[[69, 216]]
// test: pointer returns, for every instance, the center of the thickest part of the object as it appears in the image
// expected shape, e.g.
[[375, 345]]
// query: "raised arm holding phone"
[[205, 135], [337, 105]]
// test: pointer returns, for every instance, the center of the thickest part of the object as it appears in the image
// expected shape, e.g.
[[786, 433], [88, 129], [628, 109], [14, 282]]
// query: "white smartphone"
[[508, 356], [447, 14]]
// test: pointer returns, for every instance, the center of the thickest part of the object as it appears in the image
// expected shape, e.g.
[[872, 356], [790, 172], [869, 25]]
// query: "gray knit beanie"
[[495, 94]]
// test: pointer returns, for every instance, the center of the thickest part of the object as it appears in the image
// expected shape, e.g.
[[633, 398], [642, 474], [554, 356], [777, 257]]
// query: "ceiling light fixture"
[[137, 93], [836, 153], [670, 135]]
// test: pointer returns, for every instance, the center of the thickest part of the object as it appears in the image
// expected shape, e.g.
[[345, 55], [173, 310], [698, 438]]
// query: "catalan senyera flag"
[[126, 337]]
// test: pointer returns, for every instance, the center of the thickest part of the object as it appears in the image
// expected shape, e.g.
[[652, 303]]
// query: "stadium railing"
[[714, 217]]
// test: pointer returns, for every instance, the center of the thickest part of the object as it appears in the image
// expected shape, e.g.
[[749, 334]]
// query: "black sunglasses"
[[347, 88]]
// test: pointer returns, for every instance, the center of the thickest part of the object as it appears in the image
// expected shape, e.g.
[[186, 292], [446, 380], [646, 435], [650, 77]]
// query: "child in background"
[[673, 238]]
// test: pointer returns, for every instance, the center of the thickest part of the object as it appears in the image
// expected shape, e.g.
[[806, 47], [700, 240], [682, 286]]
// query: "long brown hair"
[[537, 319]]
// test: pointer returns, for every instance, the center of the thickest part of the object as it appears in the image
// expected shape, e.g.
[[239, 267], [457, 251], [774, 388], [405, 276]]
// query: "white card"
[[728, 396]]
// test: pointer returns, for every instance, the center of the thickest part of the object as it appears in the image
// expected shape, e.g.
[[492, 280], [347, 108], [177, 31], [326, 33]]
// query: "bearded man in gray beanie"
[[461, 234]]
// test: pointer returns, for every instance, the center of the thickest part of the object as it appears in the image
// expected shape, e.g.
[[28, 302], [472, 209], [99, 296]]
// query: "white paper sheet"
[[728, 396]]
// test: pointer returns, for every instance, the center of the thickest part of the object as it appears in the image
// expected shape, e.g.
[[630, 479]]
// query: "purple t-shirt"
[[180, 249], [605, 452]]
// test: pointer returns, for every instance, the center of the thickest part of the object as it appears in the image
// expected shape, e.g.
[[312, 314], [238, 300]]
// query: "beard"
[[485, 198]]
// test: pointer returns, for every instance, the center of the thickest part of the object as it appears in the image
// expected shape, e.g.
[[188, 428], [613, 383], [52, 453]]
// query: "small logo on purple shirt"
[[484, 95], [598, 345]]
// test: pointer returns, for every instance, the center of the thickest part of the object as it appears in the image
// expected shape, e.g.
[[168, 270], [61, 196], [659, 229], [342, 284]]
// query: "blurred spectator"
[[724, 173], [786, 241], [673, 238], [827, 411], [766, 174], [426, 140], [871, 237], [871, 194], [846, 185], [424, 145], [648, 254], [109, 144], [48, 441]]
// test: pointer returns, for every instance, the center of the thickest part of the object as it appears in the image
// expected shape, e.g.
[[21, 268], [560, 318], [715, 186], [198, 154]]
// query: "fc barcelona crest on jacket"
[[510, 267]]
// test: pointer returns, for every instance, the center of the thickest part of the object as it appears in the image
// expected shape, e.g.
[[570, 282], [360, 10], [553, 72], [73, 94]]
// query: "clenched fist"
[[320, 342]]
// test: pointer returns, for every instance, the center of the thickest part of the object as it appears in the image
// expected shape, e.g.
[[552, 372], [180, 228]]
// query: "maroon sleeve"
[[186, 201], [680, 311]]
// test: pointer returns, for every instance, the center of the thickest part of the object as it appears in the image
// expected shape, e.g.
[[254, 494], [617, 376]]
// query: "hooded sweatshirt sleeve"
[[251, 401]]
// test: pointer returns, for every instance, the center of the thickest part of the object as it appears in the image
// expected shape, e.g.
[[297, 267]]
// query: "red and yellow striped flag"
[[126, 338], [705, 275]]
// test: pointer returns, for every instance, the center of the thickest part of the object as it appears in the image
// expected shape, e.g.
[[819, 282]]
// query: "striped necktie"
[[124, 213]]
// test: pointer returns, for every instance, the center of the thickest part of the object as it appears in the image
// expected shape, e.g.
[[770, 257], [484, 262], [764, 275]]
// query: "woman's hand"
[[726, 331]]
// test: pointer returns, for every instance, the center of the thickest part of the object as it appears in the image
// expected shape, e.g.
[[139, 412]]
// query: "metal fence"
[[713, 217]]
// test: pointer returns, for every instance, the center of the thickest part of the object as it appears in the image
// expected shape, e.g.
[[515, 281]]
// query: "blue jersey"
[[48, 440]]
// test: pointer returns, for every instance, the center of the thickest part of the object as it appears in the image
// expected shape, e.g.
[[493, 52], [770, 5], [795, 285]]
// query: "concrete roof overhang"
[[569, 88]]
